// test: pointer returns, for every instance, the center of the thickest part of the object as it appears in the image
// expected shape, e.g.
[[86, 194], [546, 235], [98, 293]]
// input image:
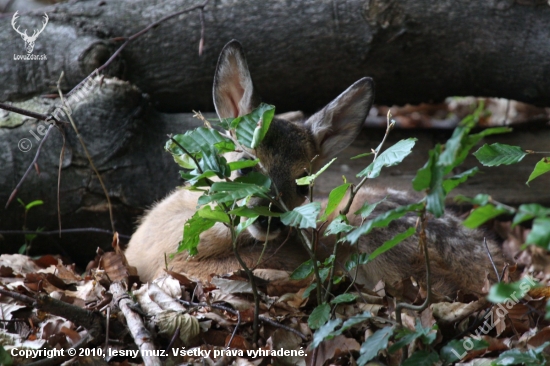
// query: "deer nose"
[[275, 224]]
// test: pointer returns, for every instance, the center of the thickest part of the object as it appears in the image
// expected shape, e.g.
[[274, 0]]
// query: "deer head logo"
[[29, 40]]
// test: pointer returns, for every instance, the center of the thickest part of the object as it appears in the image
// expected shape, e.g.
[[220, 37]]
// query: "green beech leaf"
[[361, 155], [374, 344], [423, 177], [254, 211], [511, 292], [303, 271], [531, 357], [453, 182], [356, 260], [367, 208], [530, 211], [5, 356], [483, 214], [307, 180], [391, 156], [334, 199], [430, 177], [303, 217], [222, 192], [198, 140], [343, 298], [405, 336], [216, 214], [245, 126], [542, 167], [241, 164], [353, 321], [308, 290], [382, 220], [255, 178], [319, 316], [422, 358], [470, 141], [338, 225], [456, 350], [540, 233], [478, 200], [185, 161], [391, 243], [192, 229], [499, 154], [244, 224], [325, 332]]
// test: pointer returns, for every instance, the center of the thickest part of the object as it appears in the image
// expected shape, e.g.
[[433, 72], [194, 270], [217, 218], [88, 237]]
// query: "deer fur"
[[458, 258]]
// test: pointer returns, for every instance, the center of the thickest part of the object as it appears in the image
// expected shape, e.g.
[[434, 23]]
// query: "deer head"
[[29, 40]]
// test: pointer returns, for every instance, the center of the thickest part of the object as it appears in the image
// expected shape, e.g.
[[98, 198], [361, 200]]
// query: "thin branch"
[[16, 189], [353, 193], [403, 305], [235, 312], [282, 326], [491, 259], [64, 231], [88, 156], [235, 330], [25, 112], [252, 283], [61, 156], [187, 152], [135, 36]]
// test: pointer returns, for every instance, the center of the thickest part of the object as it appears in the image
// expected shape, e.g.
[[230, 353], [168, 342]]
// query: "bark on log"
[[301, 53]]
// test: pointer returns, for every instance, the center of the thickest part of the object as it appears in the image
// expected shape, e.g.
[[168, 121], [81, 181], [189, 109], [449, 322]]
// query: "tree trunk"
[[301, 53]]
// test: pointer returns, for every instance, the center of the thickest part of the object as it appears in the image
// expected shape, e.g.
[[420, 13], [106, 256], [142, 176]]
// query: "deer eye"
[[302, 190], [245, 171]]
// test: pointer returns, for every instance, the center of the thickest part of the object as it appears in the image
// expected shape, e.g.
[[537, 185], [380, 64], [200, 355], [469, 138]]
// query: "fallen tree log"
[[301, 53]]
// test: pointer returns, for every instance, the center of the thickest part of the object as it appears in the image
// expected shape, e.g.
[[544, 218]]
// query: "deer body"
[[457, 255]]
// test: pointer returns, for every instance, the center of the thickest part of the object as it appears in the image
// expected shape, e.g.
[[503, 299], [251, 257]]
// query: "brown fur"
[[458, 257]]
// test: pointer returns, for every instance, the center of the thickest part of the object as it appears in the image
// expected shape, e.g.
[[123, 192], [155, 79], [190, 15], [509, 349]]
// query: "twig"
[[499, 279], [354, 190], [31, 165], [19, 297], [88, 156], [139, 332], [282, 326], [64, 231], [235, 312], [175, 336], [25, 112], [201, 42], [61, 156], [491, 259], [403, 305], [235, 330], [187, 152], [275, 251], [353, 193], [137, 35], [252, 284]]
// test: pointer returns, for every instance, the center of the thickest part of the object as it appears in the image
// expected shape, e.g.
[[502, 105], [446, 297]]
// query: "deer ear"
[[336, 126], [233, 90]]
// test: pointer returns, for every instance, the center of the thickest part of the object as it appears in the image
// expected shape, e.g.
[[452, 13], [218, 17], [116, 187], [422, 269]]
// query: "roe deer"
[[457, 254]]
